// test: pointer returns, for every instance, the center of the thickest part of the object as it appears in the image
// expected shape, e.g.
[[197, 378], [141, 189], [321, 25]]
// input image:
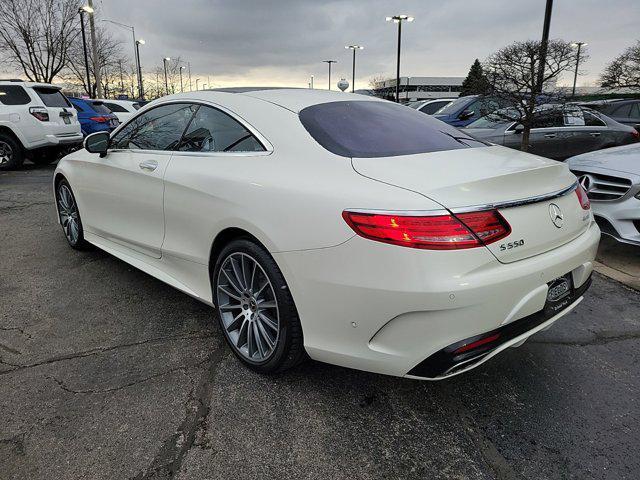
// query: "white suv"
[[36, 121]]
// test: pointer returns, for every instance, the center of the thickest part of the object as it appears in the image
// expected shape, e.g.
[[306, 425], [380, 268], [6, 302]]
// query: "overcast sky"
[[283, 42]]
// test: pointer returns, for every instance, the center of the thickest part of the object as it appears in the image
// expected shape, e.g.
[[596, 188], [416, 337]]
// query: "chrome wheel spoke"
[[237, 273], [227, 292], [269, 304], [231, 282], [268, 321], [265, 335]]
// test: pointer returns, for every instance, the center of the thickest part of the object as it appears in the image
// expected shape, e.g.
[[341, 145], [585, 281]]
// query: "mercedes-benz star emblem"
[[585, 182], [556, 215]]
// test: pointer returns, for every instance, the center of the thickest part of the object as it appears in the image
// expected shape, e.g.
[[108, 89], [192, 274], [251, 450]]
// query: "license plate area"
[[560, 295]]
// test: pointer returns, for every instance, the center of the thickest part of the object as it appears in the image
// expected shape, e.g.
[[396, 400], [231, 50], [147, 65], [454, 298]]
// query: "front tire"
[[255, 309], [69, 216]]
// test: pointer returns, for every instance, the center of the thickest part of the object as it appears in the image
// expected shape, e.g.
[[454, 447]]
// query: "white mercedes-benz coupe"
[[350, 229]]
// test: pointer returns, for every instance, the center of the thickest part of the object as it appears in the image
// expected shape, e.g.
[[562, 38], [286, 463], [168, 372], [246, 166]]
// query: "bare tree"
[[624, 70], [35, 35], [512, 73], [110, 56]]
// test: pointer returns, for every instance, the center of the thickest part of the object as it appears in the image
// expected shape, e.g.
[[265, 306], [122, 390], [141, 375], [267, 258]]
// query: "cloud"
[[270, 42]]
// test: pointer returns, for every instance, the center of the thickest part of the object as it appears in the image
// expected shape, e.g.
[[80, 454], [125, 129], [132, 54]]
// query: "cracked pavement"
[[107, 373]]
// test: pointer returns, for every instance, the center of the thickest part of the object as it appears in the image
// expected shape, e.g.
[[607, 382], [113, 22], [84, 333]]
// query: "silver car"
[[557, 133], [612, 180]]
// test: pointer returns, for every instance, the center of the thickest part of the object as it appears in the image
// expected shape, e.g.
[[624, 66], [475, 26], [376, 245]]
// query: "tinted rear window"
[[114, 107], [100, 107], [13, 95], [52, 97], [368, 129]]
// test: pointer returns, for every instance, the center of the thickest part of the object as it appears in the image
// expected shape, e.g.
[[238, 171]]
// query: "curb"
[[624, 278]]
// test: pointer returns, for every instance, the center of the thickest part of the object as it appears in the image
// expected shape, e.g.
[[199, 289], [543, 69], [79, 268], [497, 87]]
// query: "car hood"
[[625, 159], [469, 177]]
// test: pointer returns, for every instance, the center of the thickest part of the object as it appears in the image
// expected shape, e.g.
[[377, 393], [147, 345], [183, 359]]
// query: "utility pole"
[[544, 45], [96, 60], [189, 70], [82, 11], [575, 75]]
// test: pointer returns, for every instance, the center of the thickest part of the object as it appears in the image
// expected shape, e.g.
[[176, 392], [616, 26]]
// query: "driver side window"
[[157, 129], [214, 131]]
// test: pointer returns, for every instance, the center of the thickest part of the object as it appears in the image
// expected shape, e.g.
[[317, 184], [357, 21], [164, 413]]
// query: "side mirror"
[[466, 114], [519, 128], [97, 143]]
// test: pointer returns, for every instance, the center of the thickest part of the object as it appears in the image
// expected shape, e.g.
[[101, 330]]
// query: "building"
[[420, 88]]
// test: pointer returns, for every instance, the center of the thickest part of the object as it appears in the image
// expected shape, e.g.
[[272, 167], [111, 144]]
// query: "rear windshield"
[[52, 97], [136, 106], [100, 107], [367, 129]]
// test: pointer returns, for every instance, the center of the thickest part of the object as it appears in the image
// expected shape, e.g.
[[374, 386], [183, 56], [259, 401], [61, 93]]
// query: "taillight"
[[477, 343], [437, 232], [636, 134], [585, 203], [99, 119], [40, 113]]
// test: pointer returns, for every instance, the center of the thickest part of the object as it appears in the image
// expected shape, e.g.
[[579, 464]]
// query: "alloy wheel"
[[248, 307], [6, 152], [68, 212]]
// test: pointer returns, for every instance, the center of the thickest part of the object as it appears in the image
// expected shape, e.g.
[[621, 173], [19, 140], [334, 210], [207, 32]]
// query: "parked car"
[[625, 111], [557, 132], [123, 109], [611, 179], [412, 250], [94, 116], [431, 106], [36, 122], [464, 110]]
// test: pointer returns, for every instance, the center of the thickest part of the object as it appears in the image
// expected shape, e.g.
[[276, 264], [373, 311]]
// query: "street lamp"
[[166, 82], [353, 73], [329, 62], [197, 80], [135, 51], [311, 82], [139, 42], [181, 68], [82, 11], [575, 75], [399, 19], [407, 92]]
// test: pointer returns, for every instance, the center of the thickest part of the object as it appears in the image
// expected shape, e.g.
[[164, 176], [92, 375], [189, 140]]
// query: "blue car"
[[94, 116], [464, 110]]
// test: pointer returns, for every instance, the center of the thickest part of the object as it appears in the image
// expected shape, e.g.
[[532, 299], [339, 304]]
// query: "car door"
[[121, 194], [546, 136], [220, 159]]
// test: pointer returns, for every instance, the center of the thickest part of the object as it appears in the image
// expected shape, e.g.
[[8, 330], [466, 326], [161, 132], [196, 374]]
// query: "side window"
[[549, 119], [635, 111], [77, 107], [573, 118], [214, 131], [13, 95], [157, 129], [591, 120], [623, 111]]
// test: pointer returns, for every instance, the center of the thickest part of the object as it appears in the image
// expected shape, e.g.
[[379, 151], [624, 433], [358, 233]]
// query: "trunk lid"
[[62, 117], [482, 177]]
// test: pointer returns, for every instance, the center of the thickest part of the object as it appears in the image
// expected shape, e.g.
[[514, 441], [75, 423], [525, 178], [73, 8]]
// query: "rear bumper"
[[54, 140], [386, 309]]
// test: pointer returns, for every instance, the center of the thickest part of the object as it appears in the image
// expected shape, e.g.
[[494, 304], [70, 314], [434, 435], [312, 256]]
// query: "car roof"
[[17, 81], [293, 99]]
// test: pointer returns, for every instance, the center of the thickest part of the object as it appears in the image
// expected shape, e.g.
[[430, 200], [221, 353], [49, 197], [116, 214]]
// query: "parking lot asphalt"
[[107, 373]]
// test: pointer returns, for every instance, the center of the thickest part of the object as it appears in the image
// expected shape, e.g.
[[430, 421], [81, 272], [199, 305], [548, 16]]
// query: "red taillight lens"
[[40, 113], [478, 343], [438, 232], [99, 119], [636, 134], [585, 203]]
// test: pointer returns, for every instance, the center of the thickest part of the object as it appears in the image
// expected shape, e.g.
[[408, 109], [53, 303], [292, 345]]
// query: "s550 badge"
[[511, 245]]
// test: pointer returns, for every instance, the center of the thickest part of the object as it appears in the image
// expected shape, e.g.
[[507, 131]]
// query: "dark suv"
[[626, 111]]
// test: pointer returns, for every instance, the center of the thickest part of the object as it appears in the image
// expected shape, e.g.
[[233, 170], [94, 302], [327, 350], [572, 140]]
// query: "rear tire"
[[69, 216], [255, 309], [11, 153]]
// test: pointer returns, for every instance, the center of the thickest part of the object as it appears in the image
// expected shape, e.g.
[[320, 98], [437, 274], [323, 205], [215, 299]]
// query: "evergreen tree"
[[476, 82]]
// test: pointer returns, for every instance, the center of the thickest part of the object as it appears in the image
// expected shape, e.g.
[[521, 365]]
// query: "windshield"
[[52, 97], [368, 129], [496, 119], [100, 107], [454, 106]]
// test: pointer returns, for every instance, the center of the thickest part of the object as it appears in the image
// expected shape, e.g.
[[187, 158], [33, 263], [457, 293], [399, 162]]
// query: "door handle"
[[595, 134], [550, 135], [150, 165]]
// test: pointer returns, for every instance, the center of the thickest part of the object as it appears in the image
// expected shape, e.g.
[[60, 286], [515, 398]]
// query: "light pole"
[[311, 82], [94, 49], [329, 62], [407, 92], [575, 75], [166, 81], [135, 51], [353, 71], [197, 80], [189, 70], [181, 89], [82, 11], [399, 19], [544, 45], [139, 42]]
